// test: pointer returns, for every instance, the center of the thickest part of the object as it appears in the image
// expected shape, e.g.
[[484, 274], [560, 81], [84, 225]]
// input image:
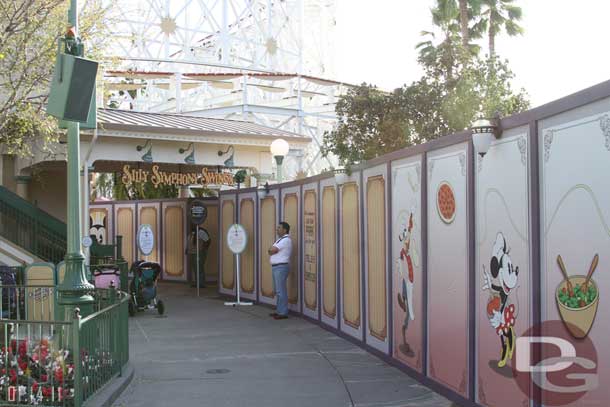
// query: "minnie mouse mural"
[[502, 281], [408, 259]]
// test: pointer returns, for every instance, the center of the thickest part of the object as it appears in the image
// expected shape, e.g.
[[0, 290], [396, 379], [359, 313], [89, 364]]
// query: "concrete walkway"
[[205, 354]]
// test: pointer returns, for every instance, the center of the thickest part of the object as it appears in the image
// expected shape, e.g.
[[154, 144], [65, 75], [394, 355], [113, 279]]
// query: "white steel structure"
[[256, 60]]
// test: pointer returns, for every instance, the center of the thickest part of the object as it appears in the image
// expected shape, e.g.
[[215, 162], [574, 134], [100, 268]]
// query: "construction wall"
[[439, 259], [169, 221]]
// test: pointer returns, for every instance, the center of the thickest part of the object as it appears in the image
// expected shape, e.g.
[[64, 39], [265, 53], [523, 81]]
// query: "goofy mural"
[[405, 265]]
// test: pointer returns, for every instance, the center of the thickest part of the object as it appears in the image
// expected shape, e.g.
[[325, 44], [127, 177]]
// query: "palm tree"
[[498, 15]]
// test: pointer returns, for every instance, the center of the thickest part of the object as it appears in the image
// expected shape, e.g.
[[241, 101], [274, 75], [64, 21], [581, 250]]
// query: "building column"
[[23, 186]]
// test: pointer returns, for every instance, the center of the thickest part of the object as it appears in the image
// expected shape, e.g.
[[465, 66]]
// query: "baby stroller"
[[143, 287], [106, 275]]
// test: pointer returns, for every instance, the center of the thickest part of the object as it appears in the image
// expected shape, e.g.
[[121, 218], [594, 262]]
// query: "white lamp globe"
[[279, 147], [482, 136]]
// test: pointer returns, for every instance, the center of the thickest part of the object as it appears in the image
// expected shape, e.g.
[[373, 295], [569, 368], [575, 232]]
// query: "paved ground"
[[205, 354]]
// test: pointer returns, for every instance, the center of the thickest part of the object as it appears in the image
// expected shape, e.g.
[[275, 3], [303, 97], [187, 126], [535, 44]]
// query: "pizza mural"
[[445, 202]]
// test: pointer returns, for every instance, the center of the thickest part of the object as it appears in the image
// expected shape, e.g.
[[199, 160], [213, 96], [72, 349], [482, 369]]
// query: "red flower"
[[59, 375], [35, 387], [23, 365], [44, 377], [47, 391]]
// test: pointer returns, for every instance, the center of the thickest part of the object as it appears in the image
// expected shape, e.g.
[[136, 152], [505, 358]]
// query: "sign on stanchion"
[[237, 239]]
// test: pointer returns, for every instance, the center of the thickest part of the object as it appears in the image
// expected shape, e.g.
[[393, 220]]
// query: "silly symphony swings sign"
[[158, 177]]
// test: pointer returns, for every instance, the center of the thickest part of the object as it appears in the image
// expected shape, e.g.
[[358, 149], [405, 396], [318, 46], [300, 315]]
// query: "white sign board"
[[237, 238], [87, 241], [146, 239]]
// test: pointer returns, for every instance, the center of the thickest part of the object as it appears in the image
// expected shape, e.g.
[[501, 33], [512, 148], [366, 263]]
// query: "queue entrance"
[[173, 228]]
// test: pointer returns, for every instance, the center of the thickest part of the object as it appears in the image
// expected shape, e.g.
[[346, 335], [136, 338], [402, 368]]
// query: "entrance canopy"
[[124, 136]]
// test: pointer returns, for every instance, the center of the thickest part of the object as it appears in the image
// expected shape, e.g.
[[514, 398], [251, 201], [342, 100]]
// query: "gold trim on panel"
[[246, 218], [173, 241], [125, 227], [310, 258], [291, 215], [350, 227], [267, 224], [228, 216], [376, 257], [329, 254]]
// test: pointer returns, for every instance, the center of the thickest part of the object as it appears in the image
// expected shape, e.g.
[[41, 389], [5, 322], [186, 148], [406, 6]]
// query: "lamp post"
[[279, 148], [74, 291]]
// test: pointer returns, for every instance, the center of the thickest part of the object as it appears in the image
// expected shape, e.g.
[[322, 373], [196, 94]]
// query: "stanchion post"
[[197, 249]]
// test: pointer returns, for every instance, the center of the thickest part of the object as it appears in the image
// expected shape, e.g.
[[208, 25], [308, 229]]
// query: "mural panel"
[[329, 253], [228, 259], [407, 273], [174, 242], [291, 215], [574, 157], [246, 218], [350, 254], [268, 223], [149, 215], [448, 268], [502, 267], [376, 262], [125, 224], [310, 258]]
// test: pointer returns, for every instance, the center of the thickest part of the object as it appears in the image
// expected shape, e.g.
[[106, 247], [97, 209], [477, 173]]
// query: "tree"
[[29, 31], [370, 123], [499, 15]]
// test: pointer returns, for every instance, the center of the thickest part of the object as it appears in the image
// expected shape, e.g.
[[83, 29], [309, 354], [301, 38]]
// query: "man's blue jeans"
[[280, 276]]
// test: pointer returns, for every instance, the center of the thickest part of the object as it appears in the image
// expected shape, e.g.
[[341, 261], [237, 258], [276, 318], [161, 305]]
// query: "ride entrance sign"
[[198, 212], [146, 240], [237, 240]]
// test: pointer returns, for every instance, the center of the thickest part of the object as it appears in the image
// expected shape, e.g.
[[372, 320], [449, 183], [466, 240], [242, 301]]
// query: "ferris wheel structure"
[[266, 61]]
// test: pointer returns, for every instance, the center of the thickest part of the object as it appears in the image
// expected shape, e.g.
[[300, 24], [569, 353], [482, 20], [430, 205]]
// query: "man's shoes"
[[273, 314], [279, 316]]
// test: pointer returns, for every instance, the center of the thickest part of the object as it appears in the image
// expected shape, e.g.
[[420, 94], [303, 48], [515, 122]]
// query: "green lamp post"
[[75, 290]]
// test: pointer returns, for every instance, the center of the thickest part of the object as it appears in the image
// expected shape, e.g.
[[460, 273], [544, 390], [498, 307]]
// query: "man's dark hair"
[[286, 226]]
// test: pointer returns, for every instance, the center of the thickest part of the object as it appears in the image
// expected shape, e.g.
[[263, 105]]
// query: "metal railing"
[[31, 228], [47, 359]]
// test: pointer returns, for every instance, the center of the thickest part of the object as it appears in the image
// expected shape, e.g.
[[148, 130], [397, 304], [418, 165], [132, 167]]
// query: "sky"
[[564, 48]]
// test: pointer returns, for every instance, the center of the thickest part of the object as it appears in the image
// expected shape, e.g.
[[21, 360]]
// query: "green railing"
[[31, 228], [47, 361]]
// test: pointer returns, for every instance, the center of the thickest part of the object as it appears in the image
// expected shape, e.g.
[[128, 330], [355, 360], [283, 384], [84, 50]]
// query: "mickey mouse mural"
[[408, 259], [501, 281], [97, 225]]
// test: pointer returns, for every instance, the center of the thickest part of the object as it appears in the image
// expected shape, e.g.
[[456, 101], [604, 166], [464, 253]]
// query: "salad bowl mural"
[[577, 298]]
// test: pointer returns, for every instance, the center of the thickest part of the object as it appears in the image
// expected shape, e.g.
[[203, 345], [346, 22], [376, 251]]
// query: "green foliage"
[[110, 185], [458, 86], [29, 33], [370, 123]]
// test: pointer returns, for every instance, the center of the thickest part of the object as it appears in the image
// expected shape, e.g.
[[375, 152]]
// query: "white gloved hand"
[[486, 280], [496, 319]]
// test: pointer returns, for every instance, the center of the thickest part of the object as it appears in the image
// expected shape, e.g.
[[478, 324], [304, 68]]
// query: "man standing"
[[204, 244], [280, 253]]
